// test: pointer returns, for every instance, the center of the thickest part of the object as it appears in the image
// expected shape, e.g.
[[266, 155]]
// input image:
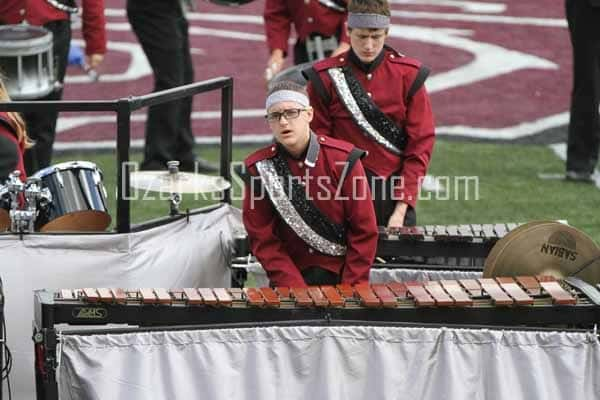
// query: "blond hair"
[[16, 119]]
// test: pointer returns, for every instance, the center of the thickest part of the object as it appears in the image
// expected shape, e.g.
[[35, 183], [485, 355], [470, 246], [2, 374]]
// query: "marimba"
[[535, 301], [507, 302]]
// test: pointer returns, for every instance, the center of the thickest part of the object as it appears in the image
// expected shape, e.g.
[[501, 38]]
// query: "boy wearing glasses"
[[307, 204], [373, 97]]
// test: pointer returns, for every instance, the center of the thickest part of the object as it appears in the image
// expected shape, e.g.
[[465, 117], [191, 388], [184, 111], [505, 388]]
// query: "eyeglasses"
[[290, 113]]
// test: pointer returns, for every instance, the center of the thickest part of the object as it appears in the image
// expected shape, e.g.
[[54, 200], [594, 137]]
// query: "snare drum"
[[26, 61], [78, 198], [293, 74]]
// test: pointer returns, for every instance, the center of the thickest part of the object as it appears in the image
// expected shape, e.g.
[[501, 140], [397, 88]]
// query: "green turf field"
[[508, 188]]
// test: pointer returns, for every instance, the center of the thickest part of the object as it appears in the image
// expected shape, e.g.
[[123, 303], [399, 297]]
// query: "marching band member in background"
[[54, 15], [320, 26], [13, 140], [162, 29], [373, 97], [307, 206]]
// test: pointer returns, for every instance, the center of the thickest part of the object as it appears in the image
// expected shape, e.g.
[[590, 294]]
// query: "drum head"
[[4, 220], [68, 165], [23, 39], [79, 221], [293, 74]]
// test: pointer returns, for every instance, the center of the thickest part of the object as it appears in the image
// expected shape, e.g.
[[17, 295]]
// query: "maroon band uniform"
[[282, 253], [307, 16], [10, 161], [386, 80]]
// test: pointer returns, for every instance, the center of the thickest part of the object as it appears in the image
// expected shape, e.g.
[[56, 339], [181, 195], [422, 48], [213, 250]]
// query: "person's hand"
[[93, 61], [397, 218], [274, 64], [342, 48]]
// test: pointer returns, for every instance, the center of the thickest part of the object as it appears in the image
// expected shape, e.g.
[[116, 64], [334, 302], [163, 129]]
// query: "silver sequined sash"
[[333, 5], [343, 90], [290, 215]]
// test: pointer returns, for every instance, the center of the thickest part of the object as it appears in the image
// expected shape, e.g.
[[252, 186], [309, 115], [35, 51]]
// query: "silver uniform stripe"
[[333, 5], [349, 101], [63, 7], [286, 209]]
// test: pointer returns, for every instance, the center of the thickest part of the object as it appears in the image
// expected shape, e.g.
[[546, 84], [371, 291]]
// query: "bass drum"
[[78, 198]]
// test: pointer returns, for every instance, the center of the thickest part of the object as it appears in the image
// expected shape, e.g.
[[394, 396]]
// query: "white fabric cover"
[[346, 362], [170, 256]]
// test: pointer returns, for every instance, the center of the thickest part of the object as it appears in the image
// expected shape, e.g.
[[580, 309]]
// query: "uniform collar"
[[370, 67], [311, 153]]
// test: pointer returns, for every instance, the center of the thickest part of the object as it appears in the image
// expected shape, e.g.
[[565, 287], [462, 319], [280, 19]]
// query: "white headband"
[[286, 95], [368, 21]]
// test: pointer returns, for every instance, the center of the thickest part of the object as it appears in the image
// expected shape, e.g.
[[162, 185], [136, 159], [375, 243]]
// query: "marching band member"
[[54, 15], [319, 25], [163, 32], [373, 97], [307, 205], [13, 140]]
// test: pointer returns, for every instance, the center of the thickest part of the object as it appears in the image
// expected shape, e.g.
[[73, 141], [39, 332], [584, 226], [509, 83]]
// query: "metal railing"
[[124, 108]]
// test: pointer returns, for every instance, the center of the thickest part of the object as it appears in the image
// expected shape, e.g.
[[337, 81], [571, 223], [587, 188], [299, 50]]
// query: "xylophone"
[[536, 301], [540, 301], [472, 241]]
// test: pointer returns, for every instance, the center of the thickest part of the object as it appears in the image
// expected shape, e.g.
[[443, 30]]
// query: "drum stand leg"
[[45, 364]]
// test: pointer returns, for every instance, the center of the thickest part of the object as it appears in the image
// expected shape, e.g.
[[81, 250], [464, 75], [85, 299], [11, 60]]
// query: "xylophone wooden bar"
[[472, 286], [366, 296], [302, 297], [162, 296], [317, 296], [530, 284], [509, 285], [283, 292], [440, 296], [461, 298], [388, 299], [254, 297], [271, 298], [91, 294], [418, 292], [105, 295], [559, 295], [192, 296], [398, 288], [208, 297], [333, 296], [498, 295], [223, 296]]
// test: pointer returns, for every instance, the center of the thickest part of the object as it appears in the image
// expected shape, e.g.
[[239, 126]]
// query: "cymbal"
[[180, 182], [490, 260], [547, 248]]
